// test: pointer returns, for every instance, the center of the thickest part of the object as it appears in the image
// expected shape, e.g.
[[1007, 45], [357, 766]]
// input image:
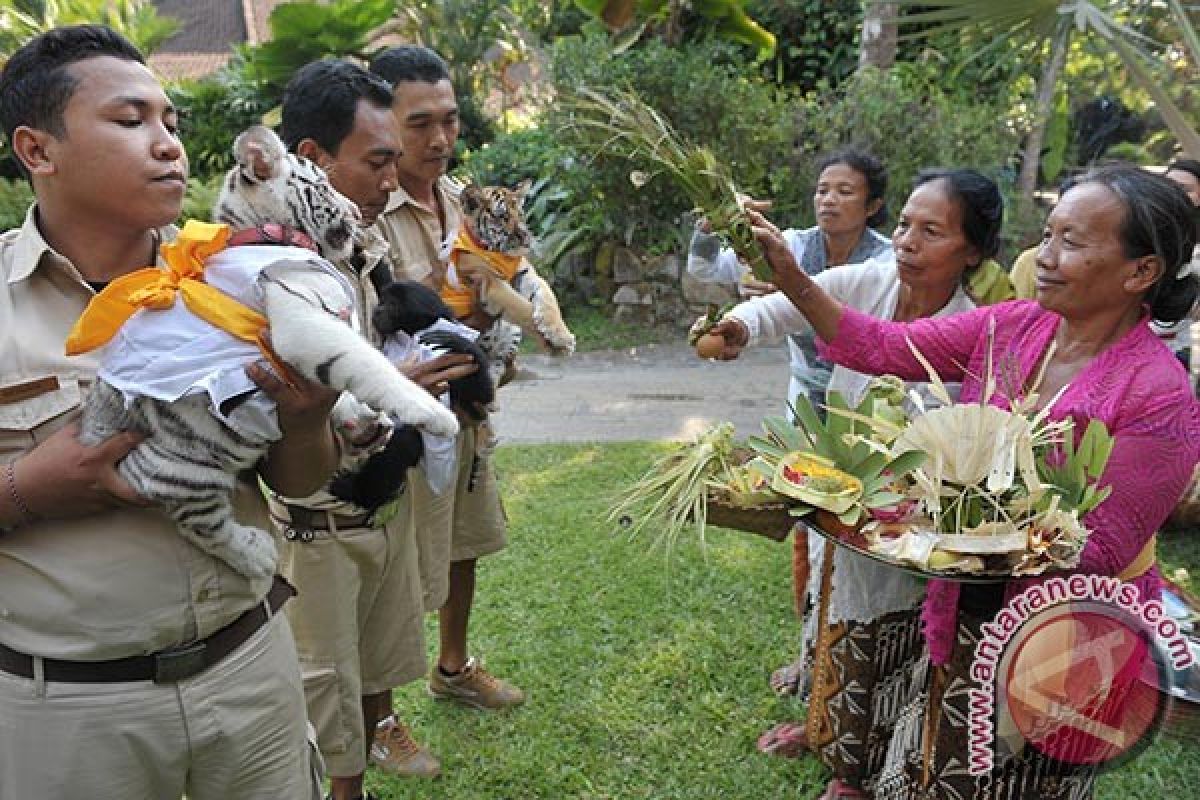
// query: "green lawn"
[[646, 677], [595, 330]]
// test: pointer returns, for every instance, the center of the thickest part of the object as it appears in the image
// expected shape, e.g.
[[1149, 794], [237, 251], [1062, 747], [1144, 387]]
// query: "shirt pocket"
[[29, 409]]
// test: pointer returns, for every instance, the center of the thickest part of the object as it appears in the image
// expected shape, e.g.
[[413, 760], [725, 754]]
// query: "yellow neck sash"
[[461, 299], [155, 288]]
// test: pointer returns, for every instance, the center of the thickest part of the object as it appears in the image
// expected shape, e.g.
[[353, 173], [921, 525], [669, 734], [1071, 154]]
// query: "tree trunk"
[[878, 47], [673, 32], [1027, 181]]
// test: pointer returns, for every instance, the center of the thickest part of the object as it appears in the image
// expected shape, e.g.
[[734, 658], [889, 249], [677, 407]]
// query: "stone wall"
[[654, 290]]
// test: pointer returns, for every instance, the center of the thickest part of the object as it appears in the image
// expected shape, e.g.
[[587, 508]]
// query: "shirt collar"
[[446, 190], [31, 249]]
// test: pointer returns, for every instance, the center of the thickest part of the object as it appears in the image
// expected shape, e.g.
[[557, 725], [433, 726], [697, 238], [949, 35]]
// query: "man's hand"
[[434, 375], [305, 458], [303, 407], [62, 478], [751, 287]]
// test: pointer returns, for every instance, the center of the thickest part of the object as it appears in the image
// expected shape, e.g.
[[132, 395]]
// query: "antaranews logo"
[[1077, 668]]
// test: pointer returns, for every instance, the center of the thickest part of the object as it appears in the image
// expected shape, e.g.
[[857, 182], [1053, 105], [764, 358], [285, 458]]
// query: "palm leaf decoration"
[[619, 123]]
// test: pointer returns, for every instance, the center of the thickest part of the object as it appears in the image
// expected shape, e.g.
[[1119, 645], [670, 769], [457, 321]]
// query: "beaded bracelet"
[[10, 477]]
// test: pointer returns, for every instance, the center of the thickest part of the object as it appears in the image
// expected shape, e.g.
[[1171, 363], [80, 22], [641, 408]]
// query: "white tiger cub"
[[182, 382]]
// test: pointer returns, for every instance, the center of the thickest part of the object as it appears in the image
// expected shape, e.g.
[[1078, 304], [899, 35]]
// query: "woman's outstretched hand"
[[724, 341], [822, 310], [775, 247]]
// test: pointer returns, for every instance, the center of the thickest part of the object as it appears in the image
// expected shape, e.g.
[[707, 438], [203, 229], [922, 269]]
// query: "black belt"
[[301, 522], [167, 666]]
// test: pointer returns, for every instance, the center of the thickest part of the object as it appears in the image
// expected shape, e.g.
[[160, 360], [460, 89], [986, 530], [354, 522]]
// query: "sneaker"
[[395, 752], [475, 687]]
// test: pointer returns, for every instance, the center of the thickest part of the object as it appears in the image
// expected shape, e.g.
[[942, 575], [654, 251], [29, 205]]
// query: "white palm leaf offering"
[[999, 491]]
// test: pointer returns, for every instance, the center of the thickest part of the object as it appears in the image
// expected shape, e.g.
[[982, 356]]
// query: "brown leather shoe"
[[475, 687], [395, 752]]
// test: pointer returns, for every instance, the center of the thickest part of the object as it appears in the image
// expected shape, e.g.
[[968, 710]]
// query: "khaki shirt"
[[118, 583], [419, 245]]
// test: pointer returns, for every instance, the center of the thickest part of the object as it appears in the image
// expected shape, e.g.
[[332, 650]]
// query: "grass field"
[[647, 677], [594, 329]]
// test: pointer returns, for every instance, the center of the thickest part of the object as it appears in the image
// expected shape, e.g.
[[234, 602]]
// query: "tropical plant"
[[138, 20], [724, 18], [15, 198], [200, 198], [1050, 25], [307, 31], [214, 110], [818, 39]]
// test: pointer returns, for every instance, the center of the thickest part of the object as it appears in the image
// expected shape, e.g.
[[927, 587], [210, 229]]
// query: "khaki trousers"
[[465, 522], [234, 732], [359, 629]]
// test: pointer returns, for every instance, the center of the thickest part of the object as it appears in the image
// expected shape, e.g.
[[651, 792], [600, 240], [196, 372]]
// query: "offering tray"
[[828, 527], [772, 521]]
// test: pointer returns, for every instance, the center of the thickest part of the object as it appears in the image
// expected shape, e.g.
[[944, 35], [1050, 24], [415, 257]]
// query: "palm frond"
[[618, 123]]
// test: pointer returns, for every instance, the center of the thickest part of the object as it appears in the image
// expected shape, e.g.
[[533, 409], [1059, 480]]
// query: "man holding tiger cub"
[[132, 663], [466, 521]]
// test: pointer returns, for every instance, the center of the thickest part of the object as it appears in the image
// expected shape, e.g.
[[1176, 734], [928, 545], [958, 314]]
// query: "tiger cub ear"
[[259, 150], [521, 190], [471, 199]]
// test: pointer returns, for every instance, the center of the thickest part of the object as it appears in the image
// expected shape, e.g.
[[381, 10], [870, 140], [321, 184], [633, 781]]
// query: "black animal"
[[412, 308]]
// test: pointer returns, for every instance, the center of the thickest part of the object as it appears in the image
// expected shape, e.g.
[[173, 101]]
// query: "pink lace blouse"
[[1135, 387]]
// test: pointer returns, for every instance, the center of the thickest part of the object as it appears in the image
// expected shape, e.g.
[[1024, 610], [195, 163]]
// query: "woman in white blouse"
[[864, 635]]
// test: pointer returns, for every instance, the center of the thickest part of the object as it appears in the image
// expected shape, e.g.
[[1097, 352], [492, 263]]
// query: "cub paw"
[[256, 555]]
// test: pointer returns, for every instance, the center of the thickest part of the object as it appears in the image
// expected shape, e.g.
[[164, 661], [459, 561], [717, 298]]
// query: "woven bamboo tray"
[[773, 522]]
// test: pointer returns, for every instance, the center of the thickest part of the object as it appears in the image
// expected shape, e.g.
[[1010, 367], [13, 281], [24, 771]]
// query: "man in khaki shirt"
[[466, 521], [132, 664], [358, 621]]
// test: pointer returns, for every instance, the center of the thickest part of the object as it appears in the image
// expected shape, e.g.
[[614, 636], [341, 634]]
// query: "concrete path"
[[652, 392]]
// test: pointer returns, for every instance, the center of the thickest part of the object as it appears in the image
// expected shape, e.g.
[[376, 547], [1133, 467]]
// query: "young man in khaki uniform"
[[358, 621], [467, 521], [132, 664]]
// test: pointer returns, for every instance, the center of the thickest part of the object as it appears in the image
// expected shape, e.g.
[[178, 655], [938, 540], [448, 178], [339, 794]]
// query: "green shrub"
[[818, 40], [215, 110], [200, 198], [15, 198], [905, 119]]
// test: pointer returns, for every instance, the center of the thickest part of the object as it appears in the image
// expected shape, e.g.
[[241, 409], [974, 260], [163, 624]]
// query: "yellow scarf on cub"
[[155, 288], [461, 298]]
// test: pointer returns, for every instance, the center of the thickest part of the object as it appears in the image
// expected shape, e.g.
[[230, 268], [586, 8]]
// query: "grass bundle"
[[673, 494], [619, 123]]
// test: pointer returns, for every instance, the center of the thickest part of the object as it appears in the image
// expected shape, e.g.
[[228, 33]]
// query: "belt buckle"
[[178, 663], [296, 534]]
